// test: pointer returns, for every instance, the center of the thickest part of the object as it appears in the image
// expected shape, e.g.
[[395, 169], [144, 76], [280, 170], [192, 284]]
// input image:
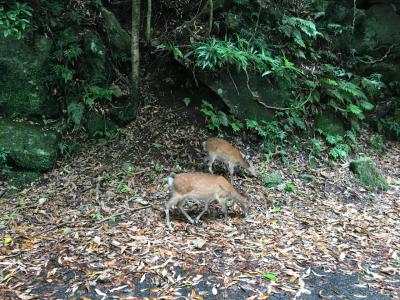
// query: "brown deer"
[[202, 188], [221, 150]]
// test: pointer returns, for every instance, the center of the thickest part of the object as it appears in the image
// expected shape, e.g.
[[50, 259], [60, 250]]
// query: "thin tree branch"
[[148, 22], [210, 22]]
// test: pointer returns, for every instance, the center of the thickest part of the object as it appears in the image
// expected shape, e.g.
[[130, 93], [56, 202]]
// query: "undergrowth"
[[294, 49], [79, 76]]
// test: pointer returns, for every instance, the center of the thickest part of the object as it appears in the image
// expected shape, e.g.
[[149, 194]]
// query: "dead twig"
[[56, 227], [128, 210]]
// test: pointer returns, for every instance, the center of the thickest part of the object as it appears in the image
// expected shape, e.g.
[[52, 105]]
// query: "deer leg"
[[231, 168], [180, 205], [173, 201], [225, 211], [211, 160], [205, 209]]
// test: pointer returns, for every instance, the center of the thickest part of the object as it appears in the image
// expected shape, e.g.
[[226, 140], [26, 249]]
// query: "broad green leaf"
[[270, 276], [367, 105], [7, 240], [354, 109], [276, 209], [186, 101]]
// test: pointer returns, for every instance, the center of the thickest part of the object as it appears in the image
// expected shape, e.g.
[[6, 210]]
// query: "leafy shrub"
[[391, 127], [15, 19]]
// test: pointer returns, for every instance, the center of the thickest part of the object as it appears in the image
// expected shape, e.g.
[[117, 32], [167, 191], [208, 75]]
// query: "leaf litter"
[[94, 226]]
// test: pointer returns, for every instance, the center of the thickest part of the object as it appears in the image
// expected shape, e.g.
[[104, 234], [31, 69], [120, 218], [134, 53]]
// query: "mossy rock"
[[24, 69], [28, 146], [233, 90], [97, 68], [330, 124], [99, 126], [379, 27], [273, 180], [118, 37], [367, 174]]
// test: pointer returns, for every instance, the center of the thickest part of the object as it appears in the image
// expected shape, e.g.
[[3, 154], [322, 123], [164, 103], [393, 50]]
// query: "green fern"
[[75, 114], [352, 89]]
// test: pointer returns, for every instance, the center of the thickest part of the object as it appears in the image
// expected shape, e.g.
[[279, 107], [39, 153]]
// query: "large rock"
[[379, 31], [233, 90], [367, 174], [22, 78], [28, 146], [97, 68], [378, 28], [118, 37], [330, 123]]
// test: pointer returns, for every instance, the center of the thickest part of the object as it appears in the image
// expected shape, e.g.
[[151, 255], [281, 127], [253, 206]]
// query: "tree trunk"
[[135, 53], [148, 23]]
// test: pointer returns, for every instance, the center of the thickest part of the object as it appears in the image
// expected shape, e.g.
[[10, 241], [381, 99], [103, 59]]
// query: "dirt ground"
[[94, 227]]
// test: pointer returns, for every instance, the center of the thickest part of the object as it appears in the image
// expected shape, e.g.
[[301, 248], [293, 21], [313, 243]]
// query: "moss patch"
[[22, 79], [272, 180], [28, 146], [330, 124], [367, 174]]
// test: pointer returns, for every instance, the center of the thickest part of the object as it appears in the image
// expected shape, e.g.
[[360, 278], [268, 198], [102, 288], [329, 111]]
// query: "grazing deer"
[[202, 188], [219, 149]]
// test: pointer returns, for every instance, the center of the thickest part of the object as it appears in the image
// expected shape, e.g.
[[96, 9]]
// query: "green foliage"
[[377, 143], [390, 126], [270, 276], [187, 101], [95, 93], [316, 146], [340, 145], [159, 168], [78, 75], [123, 188], [96, 216], [217, 119], [299, 30], [15, 19], [272, 180], [276, 209], [75, 114], [239, 53], [339, 151], [169, 47], [290, 187], [3, 161]]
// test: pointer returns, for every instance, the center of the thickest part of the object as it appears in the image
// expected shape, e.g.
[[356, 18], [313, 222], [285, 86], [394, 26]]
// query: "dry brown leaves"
[[96, 223]]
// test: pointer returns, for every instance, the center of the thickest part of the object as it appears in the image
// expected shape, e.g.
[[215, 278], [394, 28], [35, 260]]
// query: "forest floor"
[[94, 227]]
